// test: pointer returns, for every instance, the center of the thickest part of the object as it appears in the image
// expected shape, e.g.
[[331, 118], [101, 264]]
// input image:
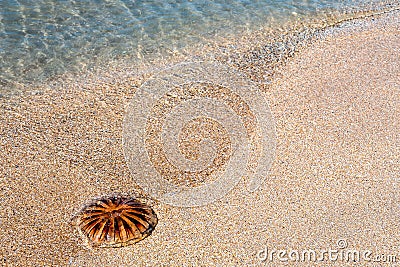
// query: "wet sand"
[[333, 185]]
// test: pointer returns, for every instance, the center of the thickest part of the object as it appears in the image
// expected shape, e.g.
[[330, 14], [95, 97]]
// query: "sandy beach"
[[333, 184]]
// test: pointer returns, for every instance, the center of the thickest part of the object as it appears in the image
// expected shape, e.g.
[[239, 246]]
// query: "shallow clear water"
[[41, 38]]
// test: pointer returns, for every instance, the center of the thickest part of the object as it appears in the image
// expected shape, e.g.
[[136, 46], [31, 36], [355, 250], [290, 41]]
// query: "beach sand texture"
[[335, 177]]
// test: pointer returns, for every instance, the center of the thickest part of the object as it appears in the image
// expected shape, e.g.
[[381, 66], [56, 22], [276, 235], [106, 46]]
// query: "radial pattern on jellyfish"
[[116, 221]]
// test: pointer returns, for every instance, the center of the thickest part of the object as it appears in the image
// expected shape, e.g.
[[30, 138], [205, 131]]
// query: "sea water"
[[43, 38]]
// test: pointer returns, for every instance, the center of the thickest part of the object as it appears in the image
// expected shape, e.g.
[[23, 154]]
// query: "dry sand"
[[335, 176]]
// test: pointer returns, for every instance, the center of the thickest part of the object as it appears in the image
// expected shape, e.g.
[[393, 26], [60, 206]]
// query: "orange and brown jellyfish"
[[116, 221]]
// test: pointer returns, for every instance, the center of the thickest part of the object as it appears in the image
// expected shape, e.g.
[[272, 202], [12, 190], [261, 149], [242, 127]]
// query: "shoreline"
[[298, 31], [333, 176]]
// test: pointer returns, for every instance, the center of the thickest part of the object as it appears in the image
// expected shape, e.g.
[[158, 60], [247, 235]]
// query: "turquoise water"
[[43, 38]]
